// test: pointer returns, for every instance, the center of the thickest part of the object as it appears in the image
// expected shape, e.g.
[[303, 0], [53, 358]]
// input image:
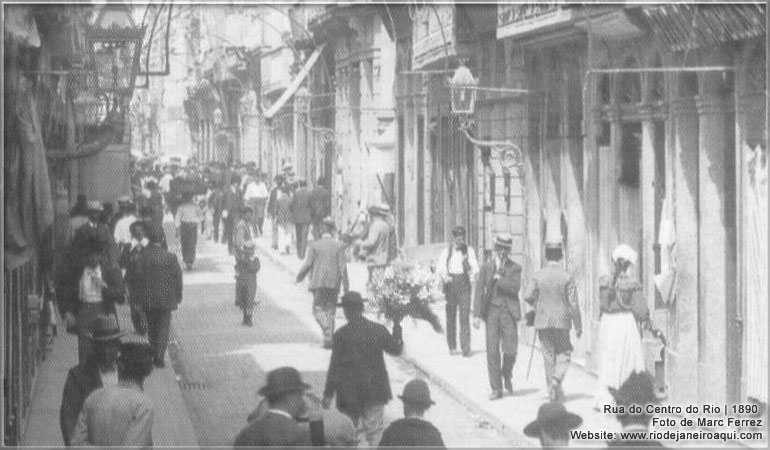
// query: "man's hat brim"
[[565, 420]]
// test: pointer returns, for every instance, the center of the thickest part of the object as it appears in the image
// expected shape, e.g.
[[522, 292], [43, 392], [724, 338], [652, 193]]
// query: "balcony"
[[276, 70]]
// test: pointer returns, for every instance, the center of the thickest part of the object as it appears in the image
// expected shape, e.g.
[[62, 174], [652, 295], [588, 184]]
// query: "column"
[[716, 288], [683, 352], [647, 182]]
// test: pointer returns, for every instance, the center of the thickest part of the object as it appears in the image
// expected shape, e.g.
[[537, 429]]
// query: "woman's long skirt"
[[188, 236], [619, 352]]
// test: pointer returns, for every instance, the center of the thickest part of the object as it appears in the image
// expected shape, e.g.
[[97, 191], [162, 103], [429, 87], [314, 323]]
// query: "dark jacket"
[[300, 206], [81, 381], [160, 278], [217, 200], [133, 282], [411, 432], [272, 202], [320, 202], [232, 202], [68, 283], [273, 430], [101, 233], [505, 288], [156, 233], [357, 371]]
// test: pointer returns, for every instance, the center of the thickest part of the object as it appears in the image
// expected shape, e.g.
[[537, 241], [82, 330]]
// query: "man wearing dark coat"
[[278, 427], [497, 304], [96, 229], [98, 370], [160, 293], [230, 207], [302, 216], [320, 206], [357, 373], [553, 295], [413, 430]]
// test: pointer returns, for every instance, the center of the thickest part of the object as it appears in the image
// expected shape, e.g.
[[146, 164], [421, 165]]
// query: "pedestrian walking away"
[[255, 196], [272, 210], [216, 204], [160, 278], [457, 266], [357, 373], [188, 217], [413, 430], [552, 293], [120, 415], [327, 267], [553, 425], [320, 206], [231, 206], [285, 219], [622, 304], [99, 369], [247, 266], [497, 304], [301, 216], [278, 427], [139, 241]]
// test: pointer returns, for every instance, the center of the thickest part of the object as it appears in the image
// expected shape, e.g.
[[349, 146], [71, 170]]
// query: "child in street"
[[246, 267]]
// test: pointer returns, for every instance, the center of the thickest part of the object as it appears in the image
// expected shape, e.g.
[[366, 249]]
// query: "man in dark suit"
[[320, 206], [497, 303], [216, 203], [300, 211], [328, 270], [553, 425], [278, 427], [98, 370], [96, 229], [160, 293], [357, 371], [413, 430], [552, 293], [230, 207]]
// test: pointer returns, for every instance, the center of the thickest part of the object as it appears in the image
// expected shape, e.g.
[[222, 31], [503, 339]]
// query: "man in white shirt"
[[457, 266], [255, 196], [122, 232]]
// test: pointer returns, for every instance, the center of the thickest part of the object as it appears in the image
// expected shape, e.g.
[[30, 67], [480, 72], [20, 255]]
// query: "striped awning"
[[295, 83], [689, 26]]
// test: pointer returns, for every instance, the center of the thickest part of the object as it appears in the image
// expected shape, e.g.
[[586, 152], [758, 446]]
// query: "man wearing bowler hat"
[[326, 265], [99, 369], [553, 425], [552, 293], [413, 430], [457, 266], [497, 304], [278, 427], [357, 373]]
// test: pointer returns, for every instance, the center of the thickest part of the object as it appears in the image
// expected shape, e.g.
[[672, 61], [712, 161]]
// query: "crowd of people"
[[121, 256]]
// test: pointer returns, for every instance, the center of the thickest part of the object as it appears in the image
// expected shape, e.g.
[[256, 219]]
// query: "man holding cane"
[[552, 294]]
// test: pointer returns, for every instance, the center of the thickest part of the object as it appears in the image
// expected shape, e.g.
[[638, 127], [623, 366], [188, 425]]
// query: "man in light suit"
[[497, 303], [328, 270], [552, 293]]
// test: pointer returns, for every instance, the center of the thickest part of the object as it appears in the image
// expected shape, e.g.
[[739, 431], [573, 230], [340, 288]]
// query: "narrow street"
[[220, 364]]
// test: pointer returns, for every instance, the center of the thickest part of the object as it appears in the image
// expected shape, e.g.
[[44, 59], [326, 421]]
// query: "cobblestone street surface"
[[220, 364]]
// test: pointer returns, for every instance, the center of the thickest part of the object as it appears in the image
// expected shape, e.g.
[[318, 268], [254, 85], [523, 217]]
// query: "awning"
[[295, 83]]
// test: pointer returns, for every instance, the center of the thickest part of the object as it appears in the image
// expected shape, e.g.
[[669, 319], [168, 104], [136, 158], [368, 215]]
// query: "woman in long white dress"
[[622, 309]]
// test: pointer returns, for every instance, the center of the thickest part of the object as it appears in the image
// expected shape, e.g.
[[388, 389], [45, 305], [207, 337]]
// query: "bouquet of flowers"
[[408, 289]]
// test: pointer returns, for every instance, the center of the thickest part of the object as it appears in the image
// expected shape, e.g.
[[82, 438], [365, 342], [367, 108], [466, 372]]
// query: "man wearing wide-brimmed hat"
[[96, 228], [97, 370], [327, 267], [278, 427], [552, 293], [497, 304], [358, 347], [638, 390], [553, 425], [413, 430], [376, 247]]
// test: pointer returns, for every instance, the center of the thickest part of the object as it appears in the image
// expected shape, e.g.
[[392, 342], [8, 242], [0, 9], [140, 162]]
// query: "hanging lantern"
[[463, 90], [114, 42]]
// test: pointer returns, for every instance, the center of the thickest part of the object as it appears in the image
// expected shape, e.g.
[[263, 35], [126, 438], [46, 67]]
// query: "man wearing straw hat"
[[413, 430], [553, 425], [552, 293], [278, 427], [98, 370], [497, 304]]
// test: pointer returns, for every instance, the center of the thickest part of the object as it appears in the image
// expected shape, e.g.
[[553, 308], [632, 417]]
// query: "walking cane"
[[532, 353]]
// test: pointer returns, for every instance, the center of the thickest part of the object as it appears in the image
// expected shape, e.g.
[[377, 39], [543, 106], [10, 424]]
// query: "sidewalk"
[[466, 378], [172, 427]]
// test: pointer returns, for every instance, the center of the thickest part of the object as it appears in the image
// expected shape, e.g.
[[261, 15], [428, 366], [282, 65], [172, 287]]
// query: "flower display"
[[407, 289]]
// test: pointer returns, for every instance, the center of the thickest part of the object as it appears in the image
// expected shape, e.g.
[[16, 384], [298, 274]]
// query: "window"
[[630, 154], [655, 82], [630, 83]]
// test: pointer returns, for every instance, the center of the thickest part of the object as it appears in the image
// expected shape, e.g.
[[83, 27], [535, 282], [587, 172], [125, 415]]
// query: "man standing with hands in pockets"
[[497, 303]]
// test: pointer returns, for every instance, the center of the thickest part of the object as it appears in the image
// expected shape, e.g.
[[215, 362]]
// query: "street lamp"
[[464, 87], [463, 94], [114, 43]]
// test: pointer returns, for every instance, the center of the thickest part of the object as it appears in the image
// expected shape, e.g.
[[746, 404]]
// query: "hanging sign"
[[518, 19]]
